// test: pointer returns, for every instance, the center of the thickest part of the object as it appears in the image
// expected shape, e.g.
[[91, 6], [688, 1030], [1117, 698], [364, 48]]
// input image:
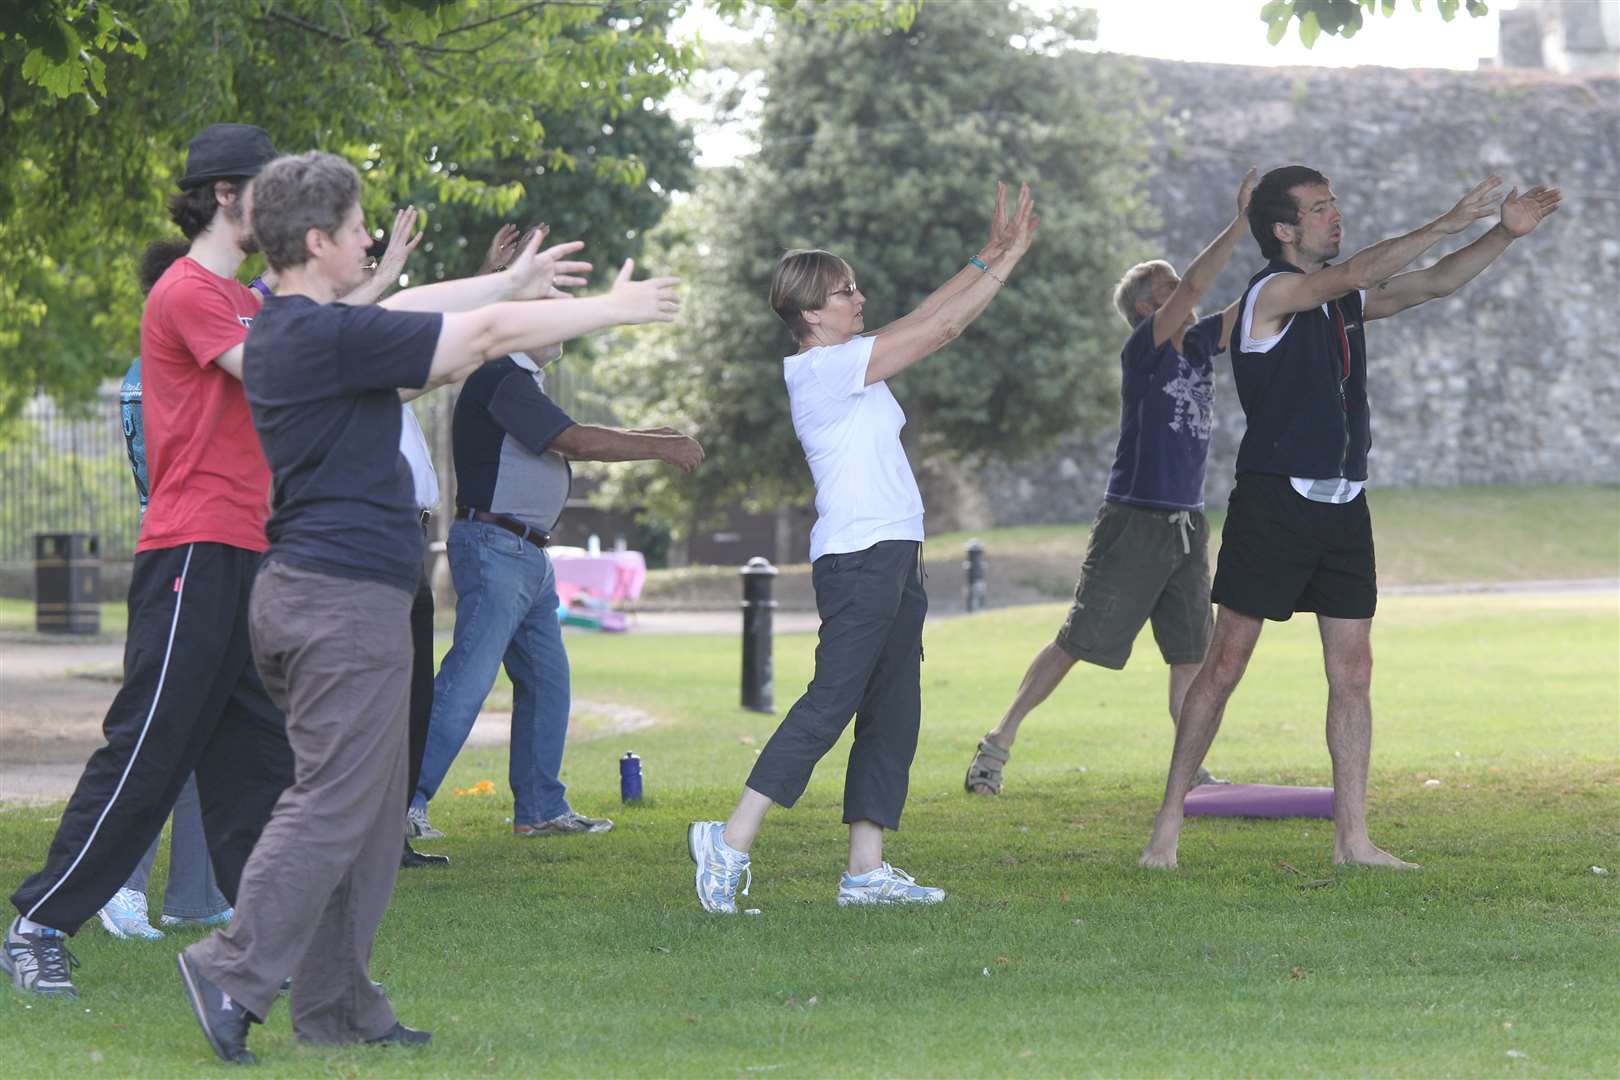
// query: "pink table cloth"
[[614, 576]]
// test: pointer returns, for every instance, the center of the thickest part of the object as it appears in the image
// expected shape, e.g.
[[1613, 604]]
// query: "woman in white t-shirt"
[[865, 551]]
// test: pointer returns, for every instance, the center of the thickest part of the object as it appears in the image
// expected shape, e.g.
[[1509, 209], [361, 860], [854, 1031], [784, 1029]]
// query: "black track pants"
[[191, 701]]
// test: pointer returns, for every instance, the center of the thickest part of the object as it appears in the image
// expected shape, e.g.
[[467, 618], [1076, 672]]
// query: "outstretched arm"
[[1370, 266], [468, 338], [1520, 215], [949, 310], [590, 442], [533, 274], [1169, 319]]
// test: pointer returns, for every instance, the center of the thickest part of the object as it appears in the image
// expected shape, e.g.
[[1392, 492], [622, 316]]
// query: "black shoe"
[[413, 858], [400, 1035], [224, 1022]]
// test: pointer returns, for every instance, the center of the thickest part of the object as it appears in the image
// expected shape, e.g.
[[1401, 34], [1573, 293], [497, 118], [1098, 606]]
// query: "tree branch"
[[523, 11]]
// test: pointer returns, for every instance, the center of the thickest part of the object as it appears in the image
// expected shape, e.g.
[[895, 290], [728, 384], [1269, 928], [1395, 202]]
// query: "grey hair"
[[296, 193], [1136, 285]]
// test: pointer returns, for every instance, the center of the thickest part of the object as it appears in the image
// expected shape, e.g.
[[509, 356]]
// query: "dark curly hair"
[[1273, 204], [193, 211]]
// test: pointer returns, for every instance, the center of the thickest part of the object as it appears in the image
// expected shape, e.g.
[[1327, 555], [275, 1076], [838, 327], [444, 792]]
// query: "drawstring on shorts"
[[1183, 518]]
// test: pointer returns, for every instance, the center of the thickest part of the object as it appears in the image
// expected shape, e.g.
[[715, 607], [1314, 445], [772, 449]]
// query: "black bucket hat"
[[224, 151]]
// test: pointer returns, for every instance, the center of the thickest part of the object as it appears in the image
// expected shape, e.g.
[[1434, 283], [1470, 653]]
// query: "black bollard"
[[973, 590], [759, 578]]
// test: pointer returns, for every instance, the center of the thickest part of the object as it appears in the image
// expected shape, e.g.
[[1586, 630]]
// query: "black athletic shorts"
[[1282, 553]]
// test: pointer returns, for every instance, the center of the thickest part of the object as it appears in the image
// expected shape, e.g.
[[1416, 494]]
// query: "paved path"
[[54, 693]]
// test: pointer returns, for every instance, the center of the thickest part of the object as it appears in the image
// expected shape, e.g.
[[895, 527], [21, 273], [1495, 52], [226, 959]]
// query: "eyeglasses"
[[847, 290]]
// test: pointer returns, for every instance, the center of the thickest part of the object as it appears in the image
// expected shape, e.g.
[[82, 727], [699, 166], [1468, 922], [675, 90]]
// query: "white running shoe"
[[885, 885], [125, 917], [719, 866]]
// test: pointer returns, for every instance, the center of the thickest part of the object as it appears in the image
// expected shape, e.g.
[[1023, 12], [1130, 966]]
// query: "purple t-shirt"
[[1166, 411]]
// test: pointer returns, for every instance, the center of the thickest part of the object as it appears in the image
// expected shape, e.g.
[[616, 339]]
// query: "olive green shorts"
[[1142, 563]]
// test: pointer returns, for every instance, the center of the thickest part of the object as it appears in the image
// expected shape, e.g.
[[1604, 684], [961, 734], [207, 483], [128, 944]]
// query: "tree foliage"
[[1344, 17], [886, 148], [451, 103]]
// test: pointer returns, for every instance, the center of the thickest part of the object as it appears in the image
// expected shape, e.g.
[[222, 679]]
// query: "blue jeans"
[[506, 612]]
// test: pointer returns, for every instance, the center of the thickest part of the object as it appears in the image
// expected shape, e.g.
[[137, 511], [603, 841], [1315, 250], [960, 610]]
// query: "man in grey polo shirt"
[[512, 444]]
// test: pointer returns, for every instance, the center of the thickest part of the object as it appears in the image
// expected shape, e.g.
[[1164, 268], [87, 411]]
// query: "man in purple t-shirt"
[[1149, 552]]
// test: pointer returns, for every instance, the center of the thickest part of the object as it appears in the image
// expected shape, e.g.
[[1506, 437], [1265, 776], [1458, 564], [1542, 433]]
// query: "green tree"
[[1344, 17], [435, 98], [886, 148]]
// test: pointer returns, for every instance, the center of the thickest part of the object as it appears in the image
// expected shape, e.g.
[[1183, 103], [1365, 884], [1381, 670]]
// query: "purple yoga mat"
[[1258, 800]]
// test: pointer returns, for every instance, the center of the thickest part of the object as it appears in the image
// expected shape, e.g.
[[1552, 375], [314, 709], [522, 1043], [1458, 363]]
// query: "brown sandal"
[[984, 774]]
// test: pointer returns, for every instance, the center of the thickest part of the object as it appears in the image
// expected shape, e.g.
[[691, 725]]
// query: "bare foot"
[[1370, 855], [1161, 849], [1154, 859]]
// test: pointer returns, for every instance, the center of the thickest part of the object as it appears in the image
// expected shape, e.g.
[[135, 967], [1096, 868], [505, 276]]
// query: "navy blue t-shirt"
[[1166, 411], [322, 382], [501, 434]]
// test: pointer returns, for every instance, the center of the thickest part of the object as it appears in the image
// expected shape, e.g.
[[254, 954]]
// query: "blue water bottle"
[[630, 778]]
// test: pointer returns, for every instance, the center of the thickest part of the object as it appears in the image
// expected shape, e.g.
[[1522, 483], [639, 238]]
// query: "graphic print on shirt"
[[1194, 394]]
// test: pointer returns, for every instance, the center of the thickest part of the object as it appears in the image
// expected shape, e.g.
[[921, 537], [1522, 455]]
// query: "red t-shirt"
[[209, 479]]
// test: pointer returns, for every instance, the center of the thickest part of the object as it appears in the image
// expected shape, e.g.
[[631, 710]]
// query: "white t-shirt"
[[1333, 489], [413, 444], [865, 492]]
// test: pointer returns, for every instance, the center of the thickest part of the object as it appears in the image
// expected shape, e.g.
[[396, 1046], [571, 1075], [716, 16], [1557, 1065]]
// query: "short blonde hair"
[[803, 280], [1137, 284]]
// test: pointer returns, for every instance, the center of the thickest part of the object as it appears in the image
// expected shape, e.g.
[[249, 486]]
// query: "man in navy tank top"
[[1298, 536]]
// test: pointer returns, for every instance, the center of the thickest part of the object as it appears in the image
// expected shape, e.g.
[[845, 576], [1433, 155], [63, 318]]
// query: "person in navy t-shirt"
[[330, 609], [1148, 557]]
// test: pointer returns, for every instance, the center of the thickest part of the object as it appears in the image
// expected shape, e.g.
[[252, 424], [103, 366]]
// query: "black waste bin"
[[67, 583]]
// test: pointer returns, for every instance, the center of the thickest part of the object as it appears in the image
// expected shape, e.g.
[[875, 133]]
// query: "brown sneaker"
[[562, 825]]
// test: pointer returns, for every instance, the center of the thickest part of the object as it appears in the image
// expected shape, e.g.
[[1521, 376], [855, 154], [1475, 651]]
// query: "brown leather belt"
[[538, 537]]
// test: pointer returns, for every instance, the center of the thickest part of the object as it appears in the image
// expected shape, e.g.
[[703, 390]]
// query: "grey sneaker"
[[39, 962], [417, 826], [719, 866], [125, 916], [885, 885], [563, 825], [1204, 776]]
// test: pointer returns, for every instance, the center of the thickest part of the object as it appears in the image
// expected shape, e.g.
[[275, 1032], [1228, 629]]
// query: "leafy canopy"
[[453, 102], [1344, 17]]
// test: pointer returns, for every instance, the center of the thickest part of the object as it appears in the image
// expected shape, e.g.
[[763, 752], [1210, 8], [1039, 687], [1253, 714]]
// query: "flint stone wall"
[[1513, 380]]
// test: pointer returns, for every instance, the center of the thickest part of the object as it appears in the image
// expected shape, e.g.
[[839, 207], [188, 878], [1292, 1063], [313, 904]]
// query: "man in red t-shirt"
[[191, 699]]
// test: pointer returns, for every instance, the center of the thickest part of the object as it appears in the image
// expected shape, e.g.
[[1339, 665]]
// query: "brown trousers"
[[335, 655]]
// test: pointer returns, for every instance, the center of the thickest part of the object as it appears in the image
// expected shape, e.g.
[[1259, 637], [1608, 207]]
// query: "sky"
[[1211, 31], [1232, 32]]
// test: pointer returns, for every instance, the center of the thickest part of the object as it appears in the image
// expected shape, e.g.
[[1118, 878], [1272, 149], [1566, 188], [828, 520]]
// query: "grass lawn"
[[1054, 954]]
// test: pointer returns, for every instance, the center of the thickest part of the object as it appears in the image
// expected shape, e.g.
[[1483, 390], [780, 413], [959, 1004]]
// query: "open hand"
[[402, 240], [1246, 191], [1480, 201], [1011, 234], [503, 247], [652, 300], [1022, 227], [1522, 213], [534, 273]]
